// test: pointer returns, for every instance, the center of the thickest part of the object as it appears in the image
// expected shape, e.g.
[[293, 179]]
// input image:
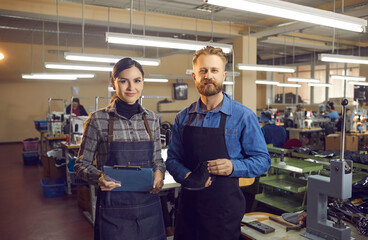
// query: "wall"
[[23, 101]]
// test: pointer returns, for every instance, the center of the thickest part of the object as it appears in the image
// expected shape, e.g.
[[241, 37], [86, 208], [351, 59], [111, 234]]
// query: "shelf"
[[360, 165], [273, 149], [284, 202], [296, 165], [285, 182]]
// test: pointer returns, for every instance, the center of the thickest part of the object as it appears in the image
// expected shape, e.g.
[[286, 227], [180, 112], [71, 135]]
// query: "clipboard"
[[132, 178]]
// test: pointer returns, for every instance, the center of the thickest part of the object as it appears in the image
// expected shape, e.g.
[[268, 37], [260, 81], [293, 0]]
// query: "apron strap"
[[110, 135], [190, 119], [147, 126], [111, 128]]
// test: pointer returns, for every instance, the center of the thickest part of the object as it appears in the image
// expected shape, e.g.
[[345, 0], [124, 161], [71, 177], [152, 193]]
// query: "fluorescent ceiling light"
[[110, 89], [228, 83], [266, 68], [288, 85], [266, 82], [162, 42], [344, 77], [56, 76], [296, 12], [358, 83], [320, 84], [107, 58], [73, 66], [342, 58], [155, 80], [308, 80]]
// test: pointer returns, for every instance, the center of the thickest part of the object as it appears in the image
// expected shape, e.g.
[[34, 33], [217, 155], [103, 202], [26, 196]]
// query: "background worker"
[[214, 141], [124, 133], [273, 134], [77, 108], [332, 113]]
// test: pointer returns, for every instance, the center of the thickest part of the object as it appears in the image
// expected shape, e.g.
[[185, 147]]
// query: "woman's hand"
[[158, 181], [107, 185]]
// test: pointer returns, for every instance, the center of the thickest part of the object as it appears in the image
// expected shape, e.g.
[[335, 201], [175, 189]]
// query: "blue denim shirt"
[[244, 139]]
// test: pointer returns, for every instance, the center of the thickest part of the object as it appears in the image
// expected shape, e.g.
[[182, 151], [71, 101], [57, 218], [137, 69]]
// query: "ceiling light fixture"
[[307, 80], [156, 80], [288, 85], [107, 58], [228, 83], [345, 77], [358, 83], [228, 73], [296, 12], [71, 66], [162, 42], [266, 68], [342, 58], [56, 76], [266, 82], [320, 84]]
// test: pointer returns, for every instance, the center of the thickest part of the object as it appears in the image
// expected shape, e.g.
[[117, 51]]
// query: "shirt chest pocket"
[[231, 136]]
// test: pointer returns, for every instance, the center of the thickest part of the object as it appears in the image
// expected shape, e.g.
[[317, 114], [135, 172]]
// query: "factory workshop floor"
[[26, 214]]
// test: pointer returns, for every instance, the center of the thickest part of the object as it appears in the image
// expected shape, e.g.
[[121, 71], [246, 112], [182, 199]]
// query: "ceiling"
[[278, 40]]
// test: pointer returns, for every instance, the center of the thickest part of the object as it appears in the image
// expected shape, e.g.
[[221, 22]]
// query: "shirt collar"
[[225, 108], [111, 108]]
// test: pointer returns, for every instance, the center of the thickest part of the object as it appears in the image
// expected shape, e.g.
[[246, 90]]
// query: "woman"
[[332, 113], [133, 132]]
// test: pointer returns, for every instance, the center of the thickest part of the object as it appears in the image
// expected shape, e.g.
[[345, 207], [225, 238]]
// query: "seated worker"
[[332, 113], [272, 133], [78, 109]]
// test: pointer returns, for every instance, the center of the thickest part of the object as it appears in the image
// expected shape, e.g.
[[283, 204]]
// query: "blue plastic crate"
[[53, 187], [30, 158], [41, 125]]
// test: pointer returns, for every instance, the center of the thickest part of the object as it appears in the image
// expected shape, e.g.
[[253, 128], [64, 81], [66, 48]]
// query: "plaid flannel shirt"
[[95, 145]]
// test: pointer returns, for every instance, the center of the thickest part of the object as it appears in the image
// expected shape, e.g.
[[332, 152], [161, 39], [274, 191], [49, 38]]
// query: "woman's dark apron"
[[215, 212], [129, 215]]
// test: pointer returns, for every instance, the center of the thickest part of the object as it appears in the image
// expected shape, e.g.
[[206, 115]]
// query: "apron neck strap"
[[111, 127], [147, 126]]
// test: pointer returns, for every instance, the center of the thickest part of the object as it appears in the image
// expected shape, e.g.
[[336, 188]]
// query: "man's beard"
[[208, 90]]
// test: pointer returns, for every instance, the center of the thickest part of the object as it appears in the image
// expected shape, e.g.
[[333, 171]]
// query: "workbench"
[[280, 230]]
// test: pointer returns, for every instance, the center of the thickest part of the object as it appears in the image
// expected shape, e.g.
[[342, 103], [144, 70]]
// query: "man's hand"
[[107, 185], [158, 181], [220, 167]]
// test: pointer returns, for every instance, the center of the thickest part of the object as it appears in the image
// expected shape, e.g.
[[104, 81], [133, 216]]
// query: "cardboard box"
[[50, 170], [84, 197], [333, 142]]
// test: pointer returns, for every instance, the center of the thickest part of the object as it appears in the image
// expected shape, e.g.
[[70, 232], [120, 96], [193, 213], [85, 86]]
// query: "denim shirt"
[[331, 115], [244, 139]]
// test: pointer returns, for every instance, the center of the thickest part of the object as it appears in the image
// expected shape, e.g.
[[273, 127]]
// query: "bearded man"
[[214, 141]]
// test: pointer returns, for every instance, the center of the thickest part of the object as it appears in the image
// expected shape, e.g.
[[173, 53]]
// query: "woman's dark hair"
[[330, 105], [124, 64]]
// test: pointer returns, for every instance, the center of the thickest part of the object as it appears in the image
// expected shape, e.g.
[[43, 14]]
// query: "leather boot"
[[198, 178]]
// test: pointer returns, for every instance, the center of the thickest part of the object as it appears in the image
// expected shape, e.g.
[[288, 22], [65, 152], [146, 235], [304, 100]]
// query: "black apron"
[[129, 215], [215, 212]]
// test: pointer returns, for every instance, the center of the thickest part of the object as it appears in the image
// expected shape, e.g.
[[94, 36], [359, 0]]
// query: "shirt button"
[[207, 117], [130, 124], [131, 132]]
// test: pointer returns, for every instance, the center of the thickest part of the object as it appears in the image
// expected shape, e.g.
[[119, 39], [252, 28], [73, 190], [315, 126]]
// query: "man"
[[272, 133], [215, 141], [77, 109]]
